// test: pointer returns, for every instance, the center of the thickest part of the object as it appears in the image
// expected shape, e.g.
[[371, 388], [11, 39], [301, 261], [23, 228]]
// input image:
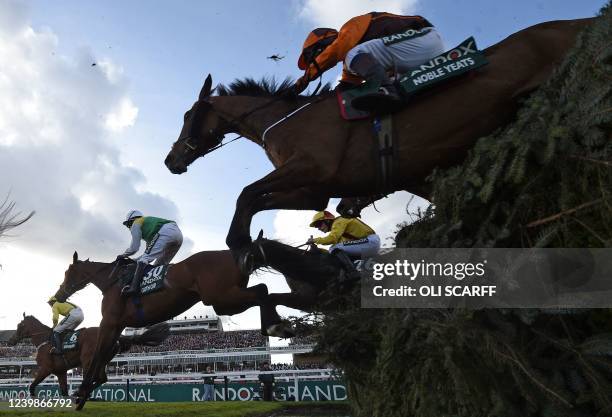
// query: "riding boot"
[[134, 287], [374, 73], [387, 97], [57, 344], [351, 273]]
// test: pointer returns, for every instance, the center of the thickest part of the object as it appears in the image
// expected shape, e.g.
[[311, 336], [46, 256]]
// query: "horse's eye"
[[186, 116]]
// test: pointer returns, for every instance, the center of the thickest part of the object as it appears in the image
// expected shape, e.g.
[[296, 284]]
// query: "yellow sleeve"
[[335, 234], [55, 310], [348, 37]]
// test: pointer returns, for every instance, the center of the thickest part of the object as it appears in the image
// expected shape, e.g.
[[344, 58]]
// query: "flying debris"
[[275, 57], [93, 64]]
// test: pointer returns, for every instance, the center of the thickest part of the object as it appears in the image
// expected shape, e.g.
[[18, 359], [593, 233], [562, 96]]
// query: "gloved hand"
[[301, 84]]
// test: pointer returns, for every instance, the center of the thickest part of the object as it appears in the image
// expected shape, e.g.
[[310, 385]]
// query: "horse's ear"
[[75, 257], [24, 314], [206, 89], [260, 235]]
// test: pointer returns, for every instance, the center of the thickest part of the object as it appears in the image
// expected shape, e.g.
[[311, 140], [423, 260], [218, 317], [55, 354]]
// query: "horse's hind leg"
[[239, 299], [41, 374]]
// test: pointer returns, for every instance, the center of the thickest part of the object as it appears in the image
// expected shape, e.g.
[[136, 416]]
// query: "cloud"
[[335, 13], [57, 117], [124, 115]]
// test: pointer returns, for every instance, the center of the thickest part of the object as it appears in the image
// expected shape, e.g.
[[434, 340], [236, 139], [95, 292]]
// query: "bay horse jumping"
[[58, 365], [211, 277], [317, 155]]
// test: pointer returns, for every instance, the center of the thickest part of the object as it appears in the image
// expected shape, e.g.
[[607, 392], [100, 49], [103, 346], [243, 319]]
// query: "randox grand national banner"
[[284, 391]]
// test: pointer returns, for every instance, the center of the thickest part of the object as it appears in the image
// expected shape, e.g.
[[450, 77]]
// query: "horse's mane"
[[33, 318], [317, 265], [266, 87]]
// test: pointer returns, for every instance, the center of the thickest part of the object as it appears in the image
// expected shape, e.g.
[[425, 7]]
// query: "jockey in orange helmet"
[[369, 46], [350, 238]]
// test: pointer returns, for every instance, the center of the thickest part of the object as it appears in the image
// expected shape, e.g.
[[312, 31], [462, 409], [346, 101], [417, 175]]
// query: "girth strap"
[[386, 152]]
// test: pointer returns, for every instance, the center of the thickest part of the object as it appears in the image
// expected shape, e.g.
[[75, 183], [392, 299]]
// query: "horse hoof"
[[282, 330]]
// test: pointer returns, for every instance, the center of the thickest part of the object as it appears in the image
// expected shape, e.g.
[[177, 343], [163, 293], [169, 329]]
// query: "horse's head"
[[23, 330], [75, 279], [203, 130]]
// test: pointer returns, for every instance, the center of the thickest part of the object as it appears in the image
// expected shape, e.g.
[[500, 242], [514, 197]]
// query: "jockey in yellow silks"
[[73, 316], [350, 238]]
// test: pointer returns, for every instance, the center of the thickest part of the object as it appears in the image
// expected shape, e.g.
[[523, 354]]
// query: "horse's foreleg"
[[63, 383], [300, 199], [41, 374], [286, 179], [107, 336], [299, 301]]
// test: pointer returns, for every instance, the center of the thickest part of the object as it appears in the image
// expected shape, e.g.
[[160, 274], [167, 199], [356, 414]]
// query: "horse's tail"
[[153, 336]]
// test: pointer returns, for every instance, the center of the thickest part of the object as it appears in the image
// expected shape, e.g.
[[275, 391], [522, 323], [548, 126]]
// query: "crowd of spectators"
[[207, 340], [302, 366], [17, 351], [303, 340]]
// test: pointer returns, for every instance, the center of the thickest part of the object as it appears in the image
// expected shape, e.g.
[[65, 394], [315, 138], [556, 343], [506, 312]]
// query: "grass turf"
[[201, 409]]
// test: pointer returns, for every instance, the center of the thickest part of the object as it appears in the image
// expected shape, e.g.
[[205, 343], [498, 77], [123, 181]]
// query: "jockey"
[[163, 238], [350, 239], [368, 51], [73, 316]]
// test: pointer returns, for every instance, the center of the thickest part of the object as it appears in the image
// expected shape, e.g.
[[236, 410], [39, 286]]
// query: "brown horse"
[[317, 155], [82, 356], [211, 277]]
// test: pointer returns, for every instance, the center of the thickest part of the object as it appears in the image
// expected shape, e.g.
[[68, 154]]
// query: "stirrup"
[[127, 290]]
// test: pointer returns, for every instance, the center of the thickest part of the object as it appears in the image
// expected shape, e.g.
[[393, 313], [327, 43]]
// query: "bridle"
[[218, 133], [63, 293]]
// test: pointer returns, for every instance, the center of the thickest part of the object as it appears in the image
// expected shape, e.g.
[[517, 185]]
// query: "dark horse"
[[82, 356], [317, 155], [314, 266], [211, 277]]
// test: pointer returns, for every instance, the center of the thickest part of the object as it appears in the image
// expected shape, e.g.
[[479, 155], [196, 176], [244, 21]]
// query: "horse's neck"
[[99, 273], [39, 332], [253, 126]]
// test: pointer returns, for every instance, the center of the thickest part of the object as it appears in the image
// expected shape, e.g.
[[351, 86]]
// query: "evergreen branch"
[[596, 161], [563, 213], [533, 378]]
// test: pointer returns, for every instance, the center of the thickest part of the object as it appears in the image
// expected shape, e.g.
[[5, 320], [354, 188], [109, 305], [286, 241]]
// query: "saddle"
[[449, 65], [152, 279]]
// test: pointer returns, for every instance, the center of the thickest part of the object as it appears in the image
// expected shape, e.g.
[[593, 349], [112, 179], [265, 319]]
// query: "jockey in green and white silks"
[[163, 238]]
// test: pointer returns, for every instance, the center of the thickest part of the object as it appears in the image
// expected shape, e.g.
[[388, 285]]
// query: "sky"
[[82, 144]]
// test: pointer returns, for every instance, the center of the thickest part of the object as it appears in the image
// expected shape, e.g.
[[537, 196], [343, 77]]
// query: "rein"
[[87, 280], [233, 122]]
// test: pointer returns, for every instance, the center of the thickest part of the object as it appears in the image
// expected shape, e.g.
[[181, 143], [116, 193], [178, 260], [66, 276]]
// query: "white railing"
[[286, 375]]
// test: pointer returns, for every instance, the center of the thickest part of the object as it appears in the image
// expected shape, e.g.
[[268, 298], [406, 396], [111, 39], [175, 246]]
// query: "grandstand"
[[193, 344]]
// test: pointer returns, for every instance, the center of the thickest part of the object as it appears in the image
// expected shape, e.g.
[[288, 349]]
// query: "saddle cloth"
[[449, 65], [70, 340], [152, 280]]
